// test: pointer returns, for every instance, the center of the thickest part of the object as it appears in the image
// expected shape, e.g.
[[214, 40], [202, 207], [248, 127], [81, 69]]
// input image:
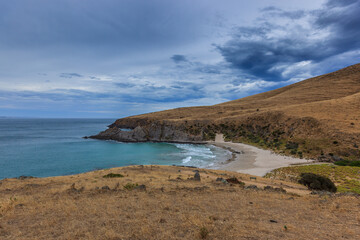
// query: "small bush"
[[292, 145], [234, 180], [130, 186], [113, 175], [293, 152], [317, 182], [204, 233]]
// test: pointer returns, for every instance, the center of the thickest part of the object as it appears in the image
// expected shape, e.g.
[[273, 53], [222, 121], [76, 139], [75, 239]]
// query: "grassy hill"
[[164, 202], [318, 118]]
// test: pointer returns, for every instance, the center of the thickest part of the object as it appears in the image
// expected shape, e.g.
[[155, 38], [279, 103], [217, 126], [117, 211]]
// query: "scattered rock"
[[222, 180], [19, 206], [201, 188], [270, 188], [234, 180], [254, 187], [353, 194], [25, 177], [72, 189], [273, 221], [322, 193], [197, 176], [141, 187]]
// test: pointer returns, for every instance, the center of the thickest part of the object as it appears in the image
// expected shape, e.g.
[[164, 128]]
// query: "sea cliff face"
[[140, 130]]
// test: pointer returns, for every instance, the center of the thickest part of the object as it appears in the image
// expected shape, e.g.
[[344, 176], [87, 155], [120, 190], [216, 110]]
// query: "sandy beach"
[[252, 160]]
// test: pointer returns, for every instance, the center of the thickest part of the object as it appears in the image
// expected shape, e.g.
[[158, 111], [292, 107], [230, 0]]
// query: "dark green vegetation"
[[113, 175], [348, 163], [278, 140], [130, 186], [317, 182], [204, 233], [346, 178]]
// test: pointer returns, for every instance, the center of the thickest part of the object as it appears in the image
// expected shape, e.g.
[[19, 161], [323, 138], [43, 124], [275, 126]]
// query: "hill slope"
[[318, 117], [168, 204]]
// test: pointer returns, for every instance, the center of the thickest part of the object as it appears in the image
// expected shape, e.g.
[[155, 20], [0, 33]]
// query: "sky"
[[116, 58]]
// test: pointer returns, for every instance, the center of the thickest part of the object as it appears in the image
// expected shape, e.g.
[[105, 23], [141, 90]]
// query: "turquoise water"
[[53, 147]]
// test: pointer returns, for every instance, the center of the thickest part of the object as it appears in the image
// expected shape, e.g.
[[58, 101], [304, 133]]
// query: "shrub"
[[348, 163], [293, 151], [234, 180], [130, 186], [204, 233], [317, 182], [292, 145], [113, 175]]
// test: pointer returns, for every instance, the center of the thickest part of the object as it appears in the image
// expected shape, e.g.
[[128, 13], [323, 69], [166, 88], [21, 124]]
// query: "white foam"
[[203, 156], [195, 150], [187, 159]]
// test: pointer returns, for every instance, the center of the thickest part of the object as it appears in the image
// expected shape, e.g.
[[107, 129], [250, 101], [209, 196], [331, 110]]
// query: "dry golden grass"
[[171, 207]]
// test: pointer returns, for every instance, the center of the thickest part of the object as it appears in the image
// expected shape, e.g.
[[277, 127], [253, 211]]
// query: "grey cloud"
[[278, 12], [124, 85], [178, 58], [337, 3], [69, 75]]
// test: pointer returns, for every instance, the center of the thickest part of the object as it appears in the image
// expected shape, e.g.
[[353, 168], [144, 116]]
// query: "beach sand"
[[252, 160]]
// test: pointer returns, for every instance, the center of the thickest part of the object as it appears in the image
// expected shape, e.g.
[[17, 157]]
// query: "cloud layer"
[[276, 50], [118, 58]]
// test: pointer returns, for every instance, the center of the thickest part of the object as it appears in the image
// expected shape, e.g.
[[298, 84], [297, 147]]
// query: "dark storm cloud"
[[69, 75], [265, 51], [178, 58]]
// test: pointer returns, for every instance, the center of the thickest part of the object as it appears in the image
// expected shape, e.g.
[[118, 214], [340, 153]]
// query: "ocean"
[[54, 147]]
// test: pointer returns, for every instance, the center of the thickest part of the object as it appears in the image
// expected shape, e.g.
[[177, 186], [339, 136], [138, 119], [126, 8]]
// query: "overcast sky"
[[115, 58]]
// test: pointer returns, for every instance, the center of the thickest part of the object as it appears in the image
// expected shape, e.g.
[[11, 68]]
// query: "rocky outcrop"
[[148, 132]]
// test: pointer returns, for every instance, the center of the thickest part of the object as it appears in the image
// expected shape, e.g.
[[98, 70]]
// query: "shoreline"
[[252, 160]]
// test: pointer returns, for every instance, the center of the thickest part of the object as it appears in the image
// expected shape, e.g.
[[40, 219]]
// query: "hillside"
[[318, 118], [169, 204]]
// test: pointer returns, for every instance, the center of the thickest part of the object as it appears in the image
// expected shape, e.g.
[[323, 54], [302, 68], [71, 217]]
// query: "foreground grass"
[[346, 178], [170, 205]]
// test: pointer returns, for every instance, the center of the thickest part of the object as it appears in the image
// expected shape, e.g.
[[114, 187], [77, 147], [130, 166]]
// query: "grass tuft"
[[113, 175], [204, 232]]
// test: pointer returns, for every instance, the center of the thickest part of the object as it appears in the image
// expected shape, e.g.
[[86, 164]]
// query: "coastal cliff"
[[126, 130]]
